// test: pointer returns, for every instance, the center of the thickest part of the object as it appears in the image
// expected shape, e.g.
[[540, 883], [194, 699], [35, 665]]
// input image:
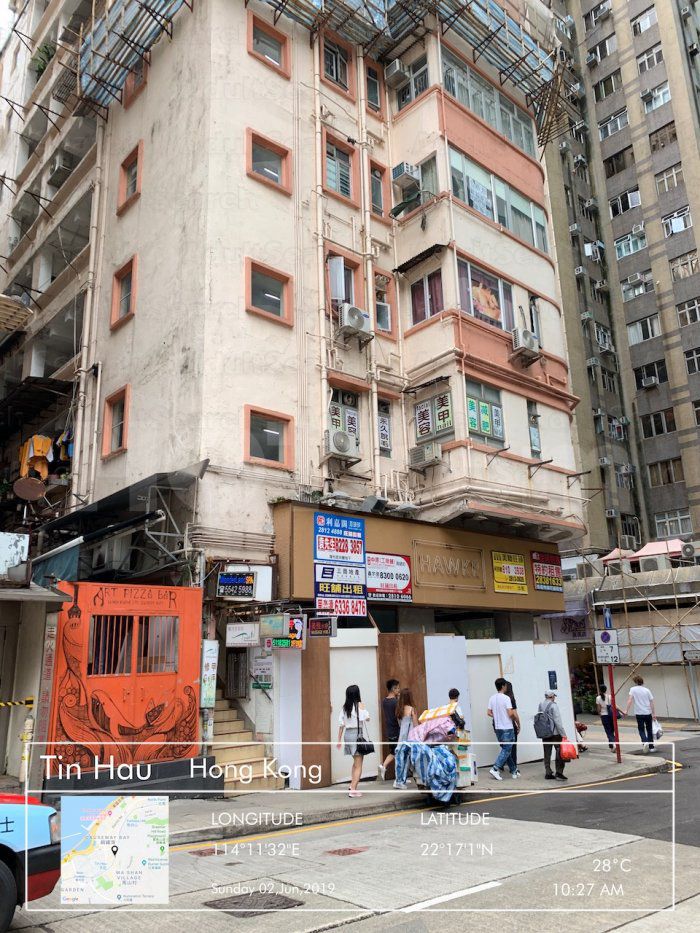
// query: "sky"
[[6, 17]]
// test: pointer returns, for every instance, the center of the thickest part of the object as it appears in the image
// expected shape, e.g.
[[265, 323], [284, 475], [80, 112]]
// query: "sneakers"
[[354, 793], [549, 777], [611, 747], [645, 748], [561, 777], [652, 748], [382, 772], [399, 786], [515, 775], [495, 773]]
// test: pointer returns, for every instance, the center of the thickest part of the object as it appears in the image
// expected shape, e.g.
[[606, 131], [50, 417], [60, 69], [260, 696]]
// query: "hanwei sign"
[[236, 585], [340, 589], [546, 570], [389, 577], [509, 575], [339, 539]]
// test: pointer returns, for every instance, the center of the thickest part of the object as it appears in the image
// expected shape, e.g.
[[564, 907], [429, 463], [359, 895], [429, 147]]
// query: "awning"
[[419, 258], [29, 399], [617, 554], [670, 548], [31, 594]]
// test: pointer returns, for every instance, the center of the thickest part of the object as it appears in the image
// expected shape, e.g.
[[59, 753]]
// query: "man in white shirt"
[[501, 711], [643, 700]]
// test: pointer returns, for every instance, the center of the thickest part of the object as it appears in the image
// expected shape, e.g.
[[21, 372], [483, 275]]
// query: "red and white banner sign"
[[389, 577], [339, 606]]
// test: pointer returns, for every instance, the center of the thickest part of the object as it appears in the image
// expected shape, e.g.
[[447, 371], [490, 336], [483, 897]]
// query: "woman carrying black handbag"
[[351, 721]]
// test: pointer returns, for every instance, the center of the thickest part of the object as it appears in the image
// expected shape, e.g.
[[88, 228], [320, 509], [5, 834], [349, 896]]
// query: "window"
[[637, 284], [656, 97], [135, 82], [471, 90], [338, 169], [644, 21], [663, 137], [268, 292], [688, 312], [157, 647], [677, 222], [624, 202], [344, 413], [384, 427], [613, 124], [692, 361], [598, 12], [110, 643], [629, 244], [535, 325], [608, 85], [374, 99], [268, 162], [129, 179], [434, 418], [377, 186], [666, 472], [609, 380], [650, 59], [533, 422], [268, 438], [342, 273], [426, 296], [670, 178], [603, 337], [123, 294], [382, 306], [485, 413], [673, 523], [428, 177], [660, 422], [605, 47], [656, 370], [493, 198], [618, 162], [416, 85], [268, 45], [616, 430], [487, 297], [585, 211], [642, 330], [115, 422], [682, 267], [335, 63], [623, 476]]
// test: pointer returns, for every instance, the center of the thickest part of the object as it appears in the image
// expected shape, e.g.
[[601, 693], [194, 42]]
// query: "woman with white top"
[[643, 700], [352, 717]]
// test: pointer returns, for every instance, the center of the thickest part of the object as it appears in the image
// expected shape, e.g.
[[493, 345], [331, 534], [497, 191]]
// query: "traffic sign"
[[607, 654], [607, 616], [607, 636]]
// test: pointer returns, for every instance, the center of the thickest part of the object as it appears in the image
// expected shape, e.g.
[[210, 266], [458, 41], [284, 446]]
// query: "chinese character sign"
[[546, 569], [509, 575], [339, 539]]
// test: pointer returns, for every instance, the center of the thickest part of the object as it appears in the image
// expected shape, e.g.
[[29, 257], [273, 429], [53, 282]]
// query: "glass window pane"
[[267, 163], [267, 293], [266, 438], [267, 46]]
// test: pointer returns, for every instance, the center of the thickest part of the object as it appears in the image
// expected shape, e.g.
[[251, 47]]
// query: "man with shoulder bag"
[[549, 728]]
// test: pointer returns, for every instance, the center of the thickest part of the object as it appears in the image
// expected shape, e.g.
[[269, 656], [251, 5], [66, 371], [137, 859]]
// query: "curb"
[[415, 801]]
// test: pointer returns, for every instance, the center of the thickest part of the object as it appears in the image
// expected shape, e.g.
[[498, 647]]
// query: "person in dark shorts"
[[391, 723]]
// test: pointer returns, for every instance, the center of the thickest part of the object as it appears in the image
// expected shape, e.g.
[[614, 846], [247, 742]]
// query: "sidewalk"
[[262, 812]]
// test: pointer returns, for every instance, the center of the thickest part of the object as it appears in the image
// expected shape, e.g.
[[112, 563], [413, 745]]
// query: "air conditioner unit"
[[579, 271], [688, 551], [648, 382], [564, 146], [603, 14], [592, 362], [576, 91], [601, 285], [598, 412], [646, 95], [591, 59], [591, 204], [685, 12], [354, 321], [604, 461], [611, 513], [525, 343], [61, 167], [427, 455], [649, 564], [635, 278], [404, 175], [590, 568], [638, 228], [395, 74], [574, 229], [342, 445], [586, 316], [580, 160], [628, 542], [693, 49], [581, 127]]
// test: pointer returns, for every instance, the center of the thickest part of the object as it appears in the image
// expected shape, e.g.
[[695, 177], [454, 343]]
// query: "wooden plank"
[[402, 656], [316, 707]]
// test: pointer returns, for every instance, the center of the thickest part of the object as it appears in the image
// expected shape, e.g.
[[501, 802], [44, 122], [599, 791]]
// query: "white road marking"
[[423, 905]]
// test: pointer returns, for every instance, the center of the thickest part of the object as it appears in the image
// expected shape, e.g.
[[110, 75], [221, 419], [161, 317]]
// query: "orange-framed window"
[[268, 45], [130, 172], [338, 64], [135, 82], [344, 280], [269, 438], [123, 294], [269, 292], [384, 303], [115, 422], [380, 190], [374, 86], [268, 162], [340, 169]]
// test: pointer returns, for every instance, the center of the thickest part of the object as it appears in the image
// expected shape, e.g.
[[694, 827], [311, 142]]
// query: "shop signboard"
[[546, 570], [210, 659], [322, 627], [261, 668], [294, 632], [242, 634], [339, 539], [236, 585], [389, 577], [272, 626], [509, 574], [340, 589]]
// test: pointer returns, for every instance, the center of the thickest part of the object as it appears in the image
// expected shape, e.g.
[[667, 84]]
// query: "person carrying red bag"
[[551, 714]]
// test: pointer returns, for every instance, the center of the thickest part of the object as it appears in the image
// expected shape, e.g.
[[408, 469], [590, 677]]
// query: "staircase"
[[229, 727]]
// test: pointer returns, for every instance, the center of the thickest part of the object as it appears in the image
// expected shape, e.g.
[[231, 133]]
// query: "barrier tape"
[[29, 701]]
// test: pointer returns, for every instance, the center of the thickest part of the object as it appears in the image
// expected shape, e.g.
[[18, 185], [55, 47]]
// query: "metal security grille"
[[110, 644], [157, 645], [236, 673]]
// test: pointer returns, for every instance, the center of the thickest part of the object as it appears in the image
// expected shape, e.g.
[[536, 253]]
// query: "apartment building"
[[318, 268], [638, 72]]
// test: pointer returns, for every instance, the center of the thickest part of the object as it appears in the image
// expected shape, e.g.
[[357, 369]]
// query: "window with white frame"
[[644, 329], [417, 82], [344, 412], [682, 267], [607, 85], [484, 413], [605, 47], [533, 424], [623, 477], [616, 430], [696, 411], [666, 472], [639, 283], [373, 88], [613, 124], [625, 202], [688, 312], [673, 523], [487, 297], [650, 59], [669, 179], [598, 12], [644, 21], [656, 97], [657, 423], [656, 370], [629, 244], [335, 63], [603, 337], [434, 418], [382, 307], [677, 222], [426, 296], [692, 361], [609, 380], [338, 170], [492, 197], [384, 427], [377, 187]]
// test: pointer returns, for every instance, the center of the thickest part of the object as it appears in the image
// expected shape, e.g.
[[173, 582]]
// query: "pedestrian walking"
[[549, 727], [407, 718], [501, 710], [391, 725], [516, 724], [643, 700], [351, 722], [454, 698], [606, 713]]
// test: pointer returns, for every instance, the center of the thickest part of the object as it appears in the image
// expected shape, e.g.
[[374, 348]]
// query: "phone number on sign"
[[342, 607]]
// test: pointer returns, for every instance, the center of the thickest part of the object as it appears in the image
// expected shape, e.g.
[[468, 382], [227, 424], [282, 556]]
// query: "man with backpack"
[[549, 728]]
